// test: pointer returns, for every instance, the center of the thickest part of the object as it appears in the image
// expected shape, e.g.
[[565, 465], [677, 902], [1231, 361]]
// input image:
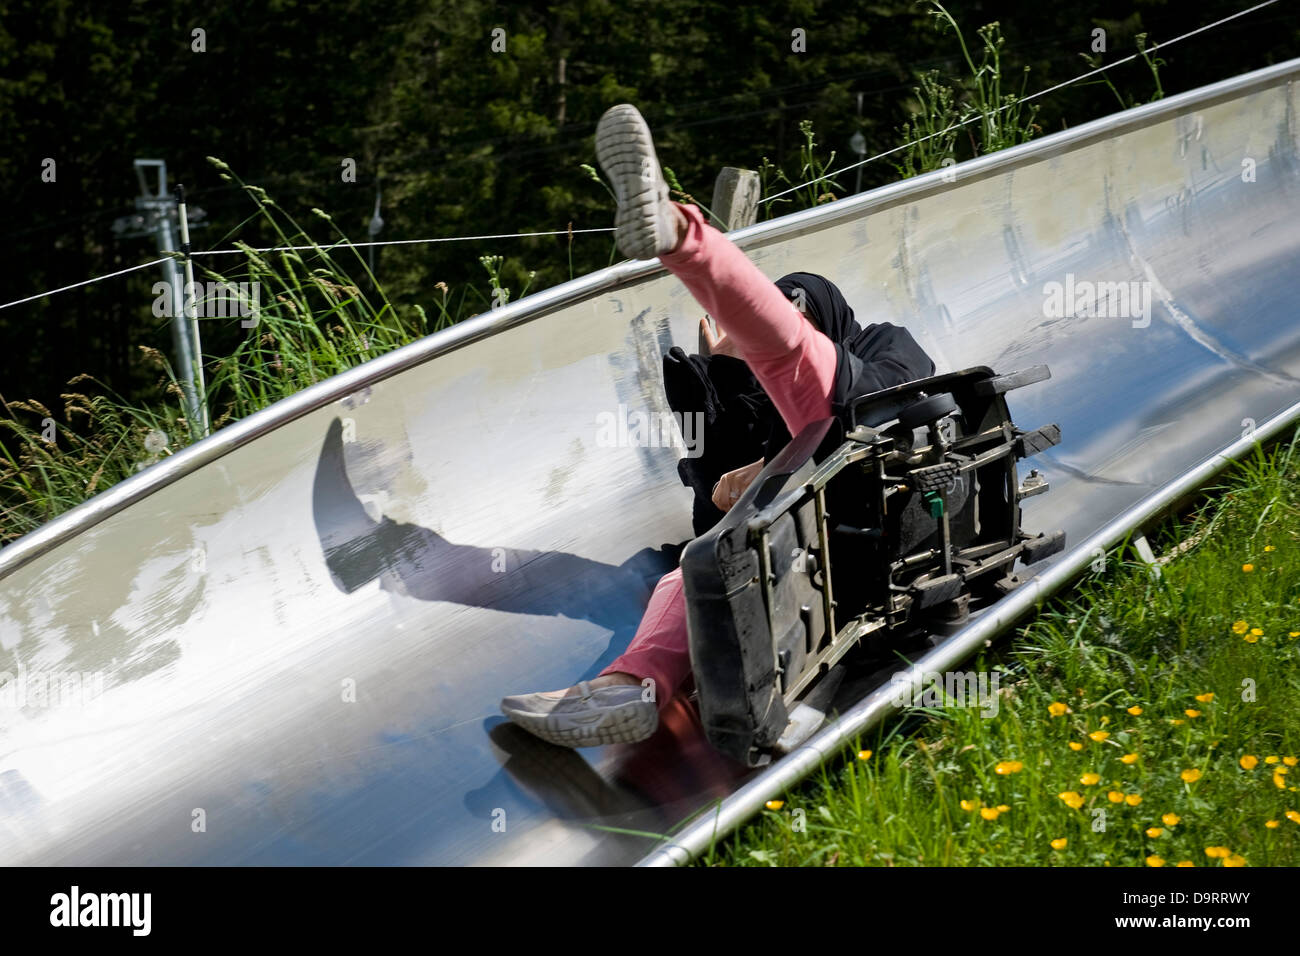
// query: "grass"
[[1144, 720]]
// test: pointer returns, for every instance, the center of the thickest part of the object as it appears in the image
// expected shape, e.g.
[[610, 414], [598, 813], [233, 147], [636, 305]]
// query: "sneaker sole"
[[643, 226], [616, 725]]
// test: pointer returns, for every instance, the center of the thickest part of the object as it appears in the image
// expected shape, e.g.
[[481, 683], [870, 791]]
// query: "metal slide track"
[[295, 634]]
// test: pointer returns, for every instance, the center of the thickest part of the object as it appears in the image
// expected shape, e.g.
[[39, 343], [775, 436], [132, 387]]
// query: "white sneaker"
[[605, 715], [646, 224]]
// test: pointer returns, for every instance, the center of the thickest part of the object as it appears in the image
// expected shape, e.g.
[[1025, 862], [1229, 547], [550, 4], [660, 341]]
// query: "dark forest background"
[[463, 140]]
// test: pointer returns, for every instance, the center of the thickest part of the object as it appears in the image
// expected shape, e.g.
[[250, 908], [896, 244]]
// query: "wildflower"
[[1294, 634], [1278, 780], [1253, 637], [1135, 710], [969, 805], [1247, 568], [1171, 819], [1155, 861], [1240, 627], [1075, 745], [1115, 796], [1178, 723], [1003, 808], [1056, 709], [1072, 799], [1098, 735], [1269, 547], [1190, 712], [1133, 799], [1249, 762], [1128, 758], [1154, 832], [1272, 824], [1059, 843], [1235, 860], [1186, 863], [1005, 767], [1205, 698], [1293, 816], [989, 813], [1191, 775], [1217, 852], [864, 754], [1105, 721], [1088, 779], [1271, 758], [1290, 761], [775, 804]]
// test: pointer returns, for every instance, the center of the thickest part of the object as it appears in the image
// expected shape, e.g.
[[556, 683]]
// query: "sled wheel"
[[927, 410]]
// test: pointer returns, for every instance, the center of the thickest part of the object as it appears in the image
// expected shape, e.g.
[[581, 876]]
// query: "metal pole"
[[157, 205], [192, 322]]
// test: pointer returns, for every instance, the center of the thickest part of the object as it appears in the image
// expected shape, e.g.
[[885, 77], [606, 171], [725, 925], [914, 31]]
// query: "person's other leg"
[[793, 362], [660, 650]]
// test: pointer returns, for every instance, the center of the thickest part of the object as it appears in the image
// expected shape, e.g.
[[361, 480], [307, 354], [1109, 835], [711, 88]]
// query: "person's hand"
[[716, 344], [733, 484]]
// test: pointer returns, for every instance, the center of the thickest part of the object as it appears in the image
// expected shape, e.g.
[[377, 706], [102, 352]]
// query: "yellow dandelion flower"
[[1178, 722], [1272, 758], [1290, 761], [1128, 758], [1217, 852], [1293, 816], [775, 804], [1059, 843], [1088, 779], [1293, 634], [1193, 713], [1240, 627], [1269, 547], [1247, 568], [1135, 710], [1154, 832], [864, 754], [1072, 799], [1279, 781], [1008, 766], [1056, 709], [1155, 861], [1115, 796], [1133, 799], [1075, 745], [1171, 819], [989, 813], [1249, 762], [1098, 735], [1272, 824], [1257, 631], [1252, 637], [969, 805], [1235, 860], [1191, 775], [1205, 698], [1003, 808], [1186, 863]]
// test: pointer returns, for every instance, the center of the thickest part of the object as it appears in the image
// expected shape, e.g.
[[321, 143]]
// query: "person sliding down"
[[808, 365]]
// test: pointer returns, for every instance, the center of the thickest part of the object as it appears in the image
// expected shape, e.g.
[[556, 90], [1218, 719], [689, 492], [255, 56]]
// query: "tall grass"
[[947, 112]]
